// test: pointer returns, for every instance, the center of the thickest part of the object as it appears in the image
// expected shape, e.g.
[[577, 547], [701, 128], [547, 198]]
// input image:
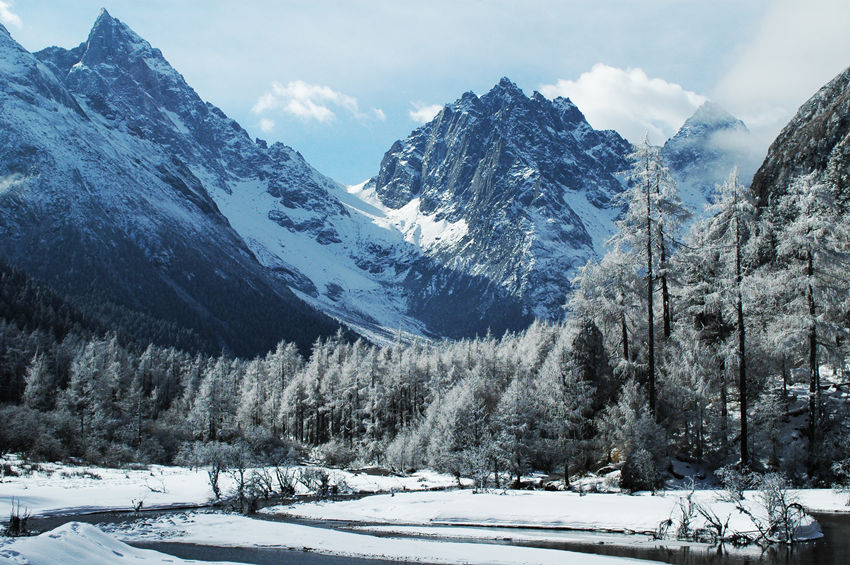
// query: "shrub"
[[640, 472], [335, 454]]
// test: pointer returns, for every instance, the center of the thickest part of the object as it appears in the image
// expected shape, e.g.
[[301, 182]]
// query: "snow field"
[[227, 530], [57, 489], [77, 543], [567, 510]]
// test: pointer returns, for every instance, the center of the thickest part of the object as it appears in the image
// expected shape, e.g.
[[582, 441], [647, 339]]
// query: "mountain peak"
[[712, 114], [110, 38], [508, 86]]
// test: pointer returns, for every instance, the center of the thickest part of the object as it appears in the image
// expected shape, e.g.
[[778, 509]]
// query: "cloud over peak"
[[7, 16], [424, 113], [311, 102], [628, 101]]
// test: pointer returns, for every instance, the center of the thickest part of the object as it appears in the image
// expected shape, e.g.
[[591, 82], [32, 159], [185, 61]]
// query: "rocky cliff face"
[[104, 156], [817, 140], [520, 188]]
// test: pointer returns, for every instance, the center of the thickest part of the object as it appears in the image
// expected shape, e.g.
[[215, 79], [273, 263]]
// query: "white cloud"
[[799, 47], [266, 125], [311, 102], [424, 113], [7, 16], [628, 101]]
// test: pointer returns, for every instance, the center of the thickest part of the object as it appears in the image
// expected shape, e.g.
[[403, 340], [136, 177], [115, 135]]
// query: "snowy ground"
[[404, 525], [78, 543], [642, 512], [228, 530], [55, 489]]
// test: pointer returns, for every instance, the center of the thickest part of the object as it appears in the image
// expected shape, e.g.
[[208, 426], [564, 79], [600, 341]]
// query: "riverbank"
[[50, 489], [643, 513], [408, 524]]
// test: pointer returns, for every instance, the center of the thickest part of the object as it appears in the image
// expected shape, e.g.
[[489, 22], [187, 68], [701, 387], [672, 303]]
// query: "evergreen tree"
[[569, 378]]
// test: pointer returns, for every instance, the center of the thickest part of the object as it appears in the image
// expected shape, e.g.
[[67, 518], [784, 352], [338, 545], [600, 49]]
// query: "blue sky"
[[340, 81]]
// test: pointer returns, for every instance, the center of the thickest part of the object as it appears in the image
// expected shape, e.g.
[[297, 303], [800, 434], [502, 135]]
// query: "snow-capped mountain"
[[108, 161], [703, 152], [513, 190], [118, 181], [163, 171], [816, 140], [287, 213]]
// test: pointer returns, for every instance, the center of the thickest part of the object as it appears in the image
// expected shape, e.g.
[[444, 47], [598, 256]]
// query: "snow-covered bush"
[[214, 455], [734, 483], [784, 512], [405, 452], [334, 454], [321, 481], [841, 469], [629, 427]]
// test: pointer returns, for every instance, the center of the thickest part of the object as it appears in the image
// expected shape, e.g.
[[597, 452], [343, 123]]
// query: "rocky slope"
[[513, 190], [817, 140], [101, 193]]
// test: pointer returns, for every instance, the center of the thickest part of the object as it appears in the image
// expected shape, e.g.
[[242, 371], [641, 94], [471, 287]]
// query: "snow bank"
[[53, 489], [226, 530], [77, 543], [823, 500], [56, 489], [539, 509]]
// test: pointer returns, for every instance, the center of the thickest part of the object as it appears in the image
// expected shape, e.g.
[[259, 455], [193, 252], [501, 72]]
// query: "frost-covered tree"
[[653, 213], [457, 429], [724, 237], [570, 378], [98, 375], [516, 421], [281, 364], [253, 394], [630, 432], [812, 257], [214, 401], [40, 385], [691, 391], [605, 292]]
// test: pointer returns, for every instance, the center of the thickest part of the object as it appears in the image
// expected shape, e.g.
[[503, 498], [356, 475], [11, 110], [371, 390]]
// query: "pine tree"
[[516, 417], [605, 292], [567, 391]]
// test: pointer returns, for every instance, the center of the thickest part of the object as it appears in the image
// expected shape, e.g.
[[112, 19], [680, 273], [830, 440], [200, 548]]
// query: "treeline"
[[679, 343]]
